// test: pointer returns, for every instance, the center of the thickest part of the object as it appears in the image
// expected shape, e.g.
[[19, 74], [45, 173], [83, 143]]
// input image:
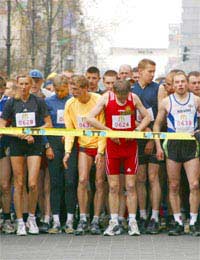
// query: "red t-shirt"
[[122, 118]]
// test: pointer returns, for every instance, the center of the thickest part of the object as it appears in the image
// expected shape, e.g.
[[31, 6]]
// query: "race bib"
[[184, 122], [150, 111], [82, 123], [25, 119], [60, 116], [121, 122]]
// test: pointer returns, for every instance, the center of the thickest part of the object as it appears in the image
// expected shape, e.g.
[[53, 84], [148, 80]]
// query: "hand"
[[160, 154], [149, 147], [116, 140], [65, 160], [30, 139], [63, 139], [49, 153], [197, 135], [99, 159]]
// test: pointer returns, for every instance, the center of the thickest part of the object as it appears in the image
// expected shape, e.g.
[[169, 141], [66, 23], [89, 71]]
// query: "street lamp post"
[[8, 41]]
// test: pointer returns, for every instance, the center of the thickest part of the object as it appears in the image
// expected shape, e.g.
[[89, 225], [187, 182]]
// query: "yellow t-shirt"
[[74, 115]]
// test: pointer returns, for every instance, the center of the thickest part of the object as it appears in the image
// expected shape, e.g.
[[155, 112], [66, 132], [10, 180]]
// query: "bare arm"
[[162, 93], [96, 111], [47, 122], [157, 126]]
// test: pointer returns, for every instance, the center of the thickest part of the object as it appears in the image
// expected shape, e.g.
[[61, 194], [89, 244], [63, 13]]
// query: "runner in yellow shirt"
[[90, 149]]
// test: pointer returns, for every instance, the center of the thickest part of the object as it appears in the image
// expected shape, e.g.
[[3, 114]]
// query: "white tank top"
[[182, 117]]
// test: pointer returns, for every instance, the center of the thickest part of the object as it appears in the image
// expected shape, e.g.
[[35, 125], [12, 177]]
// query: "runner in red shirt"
[[119, 107]]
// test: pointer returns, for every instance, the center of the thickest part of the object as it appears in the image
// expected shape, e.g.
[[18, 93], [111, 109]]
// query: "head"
[[24, 85], [11, 88], [121, 89], [135, 75], [168, 83], [146, 69], [38, 80], [49, 85], [2, 86], [194, 82], [68, 74], [180, 83], [93, 77], [60, 84], [109, 78], [79, 86], [125, 72]]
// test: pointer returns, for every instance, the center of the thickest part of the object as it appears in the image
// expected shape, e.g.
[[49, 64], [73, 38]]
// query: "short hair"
[[135, 69], [193, 73], [110, 73], [176, 70], [24, 76], [2, 82], [60, 80], [14, 83], [121, 87], [125, 66], [143, 63], [80, 80], [180, 73], [93, 69]]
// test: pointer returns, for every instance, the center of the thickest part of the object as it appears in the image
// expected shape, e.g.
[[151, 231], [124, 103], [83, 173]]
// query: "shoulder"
[[95, 96], [70, 102]]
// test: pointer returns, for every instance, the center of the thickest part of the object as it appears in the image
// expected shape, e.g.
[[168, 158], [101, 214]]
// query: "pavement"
[[88, 247]]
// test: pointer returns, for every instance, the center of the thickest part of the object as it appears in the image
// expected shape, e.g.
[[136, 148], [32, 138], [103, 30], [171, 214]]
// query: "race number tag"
[[121, 122], [25, 119], [60, 116], [184, 122], [82, 123]]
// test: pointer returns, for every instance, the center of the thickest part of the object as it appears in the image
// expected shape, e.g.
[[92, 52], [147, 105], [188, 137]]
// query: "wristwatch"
[[47, 145]]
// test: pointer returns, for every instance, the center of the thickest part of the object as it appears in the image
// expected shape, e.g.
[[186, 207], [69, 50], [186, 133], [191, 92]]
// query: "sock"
[[25, 217], [6, 216], [143, 214], [20, 221], [132, 217], [46, 219], [70, 217], [114, 217], [193, 218], [177, 218], [155, 215], [56, 219], [83, 216], [31, 216], [96, 219]]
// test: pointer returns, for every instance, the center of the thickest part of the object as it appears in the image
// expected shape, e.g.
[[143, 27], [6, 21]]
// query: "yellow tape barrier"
[[90, 133]]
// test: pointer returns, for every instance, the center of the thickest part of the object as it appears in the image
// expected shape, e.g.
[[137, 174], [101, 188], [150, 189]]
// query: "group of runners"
[[71, 182]]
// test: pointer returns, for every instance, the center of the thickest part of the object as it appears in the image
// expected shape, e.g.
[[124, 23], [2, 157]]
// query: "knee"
[[194, 186], [99, 185], [83, 182], [174, 187], [5, 187], [130, 188], [141, 179], [153, 178], [114, 188], [33, 187]]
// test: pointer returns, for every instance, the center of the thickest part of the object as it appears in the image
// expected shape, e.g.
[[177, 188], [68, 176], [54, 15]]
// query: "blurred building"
[[190, 32]]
